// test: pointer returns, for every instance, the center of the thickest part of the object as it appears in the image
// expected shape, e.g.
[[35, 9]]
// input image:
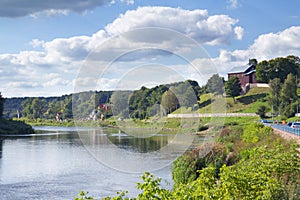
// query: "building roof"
[[242, 69]]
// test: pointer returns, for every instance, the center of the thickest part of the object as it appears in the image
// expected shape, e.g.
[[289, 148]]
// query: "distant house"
[[246, 74]]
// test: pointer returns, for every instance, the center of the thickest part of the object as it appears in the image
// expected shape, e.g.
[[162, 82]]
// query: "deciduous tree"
[[233, 87], [289, 96], [215, 84], [169, 101], [277, 68], [275, 95]]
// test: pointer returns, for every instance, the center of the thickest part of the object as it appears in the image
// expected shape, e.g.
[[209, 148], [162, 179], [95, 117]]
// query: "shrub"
[[254, 132]]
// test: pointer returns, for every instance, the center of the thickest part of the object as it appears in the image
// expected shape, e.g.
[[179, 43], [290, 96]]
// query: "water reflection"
[[57, 163], [130, 154], [141, 145]]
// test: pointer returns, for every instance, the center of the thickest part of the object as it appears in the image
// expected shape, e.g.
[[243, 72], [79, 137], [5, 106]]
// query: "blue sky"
[[49, 47]]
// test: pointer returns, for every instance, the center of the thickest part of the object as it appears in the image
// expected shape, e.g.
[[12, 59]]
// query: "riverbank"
[[163, 125], [11, 127], [243, 162]]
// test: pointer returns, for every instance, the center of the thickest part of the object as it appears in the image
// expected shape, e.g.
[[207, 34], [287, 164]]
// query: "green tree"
[[277, 68], [54, 107], [27, 108], [1, 105], [289, 96], [215, 84], [253, 61], [39, 107], [169, 101], [120, 99], [275, 95], [233, 87], [261, 111], [189, 98], [67, 108]]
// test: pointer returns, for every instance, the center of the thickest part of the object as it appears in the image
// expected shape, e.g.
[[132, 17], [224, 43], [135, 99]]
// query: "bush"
[[254, 132], [262, 110], [185, 168]]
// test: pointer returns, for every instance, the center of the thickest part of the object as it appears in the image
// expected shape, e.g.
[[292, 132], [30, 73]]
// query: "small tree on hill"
[[169, 101], [215, 84], [261, 111], [233, 87]]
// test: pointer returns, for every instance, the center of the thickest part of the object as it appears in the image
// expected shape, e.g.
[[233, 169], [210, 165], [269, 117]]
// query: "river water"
[[60, 161]]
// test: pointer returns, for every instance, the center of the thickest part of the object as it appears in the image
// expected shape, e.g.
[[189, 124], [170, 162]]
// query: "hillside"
[[247, 103]]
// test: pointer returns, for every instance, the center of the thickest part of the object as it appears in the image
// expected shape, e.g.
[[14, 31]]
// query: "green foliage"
[[151, 188], [261, 111], [266, 174], [138, 104], [169, 101], [184, 169], [233, 87], [275, 97], [120, 101], [189, 98], [145, 102], [8, 127], [83, 196], [215, 84], [277, 68], [254, 132], [201, 188], [289, 96]]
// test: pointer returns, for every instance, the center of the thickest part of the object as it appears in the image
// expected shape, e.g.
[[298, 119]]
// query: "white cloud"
[[265, 47], [239, 32], [50, 12], [214, 30], [56, 82], [128, 2], [233, 4], [37, 43], [211, 30]]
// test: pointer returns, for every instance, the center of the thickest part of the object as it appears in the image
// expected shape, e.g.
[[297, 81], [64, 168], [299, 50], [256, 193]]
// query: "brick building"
[[246, 74]]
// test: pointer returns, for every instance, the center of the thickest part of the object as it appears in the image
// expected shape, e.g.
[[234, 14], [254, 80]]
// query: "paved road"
[[212, 115], [286, 132], [285, 128]]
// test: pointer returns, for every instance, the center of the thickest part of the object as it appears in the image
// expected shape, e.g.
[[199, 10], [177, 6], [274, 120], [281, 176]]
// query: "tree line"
[[141, 104], [159, 100], [63, 107]]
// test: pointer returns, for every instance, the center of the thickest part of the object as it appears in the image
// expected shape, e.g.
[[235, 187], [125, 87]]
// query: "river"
[[60, 161]]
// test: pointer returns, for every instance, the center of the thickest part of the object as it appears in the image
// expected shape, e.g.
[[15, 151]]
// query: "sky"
[[52, 48]]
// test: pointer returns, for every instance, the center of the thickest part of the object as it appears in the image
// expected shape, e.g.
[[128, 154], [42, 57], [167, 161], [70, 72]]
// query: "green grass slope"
[[247, 103]]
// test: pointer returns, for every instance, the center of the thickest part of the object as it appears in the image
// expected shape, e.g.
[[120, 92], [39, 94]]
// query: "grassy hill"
[[247, 103]]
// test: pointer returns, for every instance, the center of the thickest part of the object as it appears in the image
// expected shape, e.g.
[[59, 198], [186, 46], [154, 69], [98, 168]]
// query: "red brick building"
[[246, 74]]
